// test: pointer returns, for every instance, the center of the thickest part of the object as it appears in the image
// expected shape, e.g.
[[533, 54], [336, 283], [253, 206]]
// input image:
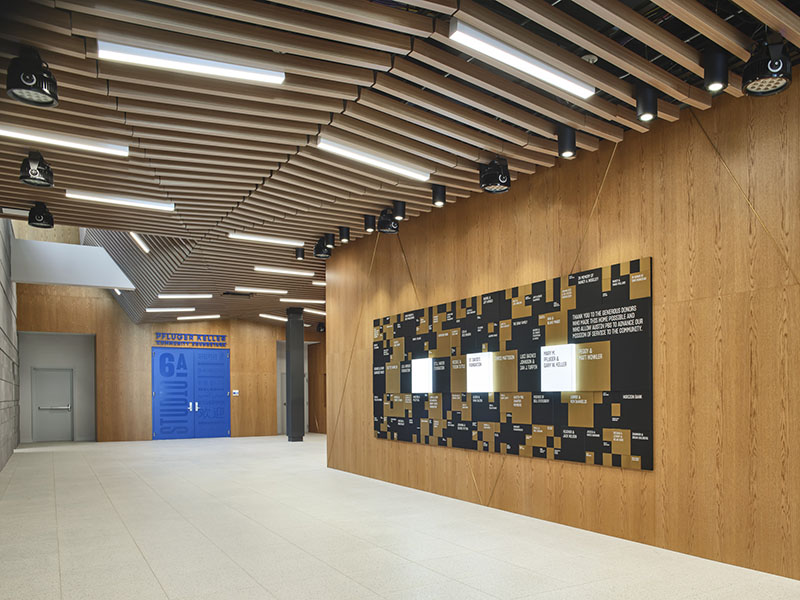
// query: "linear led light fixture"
[[120, 201], [143, 57], [140, 242], [313, 311], [484, 44], [321, 283], [265, 239], [117, 292], [171, 309], [281, 271], [15, 212], [40, 136], [273, 317], [371, 159], [302, 301], [185, 296], [256, 290], [197, 317]]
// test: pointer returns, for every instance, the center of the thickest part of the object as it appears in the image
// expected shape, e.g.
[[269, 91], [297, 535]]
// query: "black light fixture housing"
[[646, 102], [369, 223], [438, 195], [387, 223], [29, 80], [566, 141], [321, 250], [494, 177], [330, 240], [769, 69], [399, 210], [35, 171], [344, 234], [715, 69], [300, 253], [321, 327], [40, 217]]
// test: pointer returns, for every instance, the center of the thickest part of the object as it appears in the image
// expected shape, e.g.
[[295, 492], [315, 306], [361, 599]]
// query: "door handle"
[[190, 407], [67, 407], [195, 407]]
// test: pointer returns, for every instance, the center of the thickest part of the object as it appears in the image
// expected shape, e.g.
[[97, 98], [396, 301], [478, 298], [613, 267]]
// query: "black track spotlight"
[[369, 223], [321, 327], [330, 240], [715, 69], [344, 235], [40, 217], [399, 209], [438, 195], [35, 171], [29, 80], [494, 176], [769, 69], [387, 223], [300, 253], [321, 250], [646, 102], [566, 141]]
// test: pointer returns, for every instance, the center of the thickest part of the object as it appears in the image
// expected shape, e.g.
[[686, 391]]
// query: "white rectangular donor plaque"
[[421, 375], [558, 368], [480, 373]]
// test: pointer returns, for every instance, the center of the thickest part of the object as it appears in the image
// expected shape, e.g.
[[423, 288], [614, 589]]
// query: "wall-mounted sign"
[[191, 340], [559, 369]]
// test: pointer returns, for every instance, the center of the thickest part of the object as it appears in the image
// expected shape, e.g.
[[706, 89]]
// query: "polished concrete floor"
[[255, 518]]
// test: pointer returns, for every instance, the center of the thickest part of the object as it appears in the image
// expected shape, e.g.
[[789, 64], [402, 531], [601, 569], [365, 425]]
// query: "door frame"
[[35, 409]]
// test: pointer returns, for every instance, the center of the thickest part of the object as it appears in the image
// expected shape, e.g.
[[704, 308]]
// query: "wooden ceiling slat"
[[206, 145], [189, 160], [447, 7], [776, 16], [57, 21], [38, 37], [56, 61], [262, 130]]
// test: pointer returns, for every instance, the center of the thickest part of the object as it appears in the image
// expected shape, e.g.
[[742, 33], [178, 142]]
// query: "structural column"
[[295, 373]]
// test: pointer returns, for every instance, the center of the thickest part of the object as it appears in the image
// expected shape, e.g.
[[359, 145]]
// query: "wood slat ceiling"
[[240, 157]]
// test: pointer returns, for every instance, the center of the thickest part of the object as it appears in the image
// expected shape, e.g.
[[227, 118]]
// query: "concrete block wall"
[[9, 357]]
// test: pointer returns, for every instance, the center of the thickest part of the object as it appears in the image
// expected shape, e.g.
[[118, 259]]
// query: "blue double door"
[[191, 393]]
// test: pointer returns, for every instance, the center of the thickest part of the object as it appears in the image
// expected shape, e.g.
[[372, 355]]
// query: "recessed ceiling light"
[[302, 301], [322, 283], [39, 136], [273, 317], [140, 242], [185, 296], [372, 160], [119, 201], [485, 44], [171, 309], [265, 239], [256, 290], [186, 64], [314, 311], [282, 271], [198, 317]]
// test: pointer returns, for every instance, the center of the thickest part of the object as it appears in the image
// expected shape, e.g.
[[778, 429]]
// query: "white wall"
[[59, 351]]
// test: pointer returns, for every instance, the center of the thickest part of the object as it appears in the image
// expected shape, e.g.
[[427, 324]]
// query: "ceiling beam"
[[776, 16]]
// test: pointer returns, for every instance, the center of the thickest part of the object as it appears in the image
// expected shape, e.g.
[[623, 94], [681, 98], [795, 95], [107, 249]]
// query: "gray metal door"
[[51, 392]]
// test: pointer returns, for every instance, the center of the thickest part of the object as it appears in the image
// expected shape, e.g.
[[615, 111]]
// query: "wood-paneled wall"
[[123, 359], [317, 381], [724, 233]]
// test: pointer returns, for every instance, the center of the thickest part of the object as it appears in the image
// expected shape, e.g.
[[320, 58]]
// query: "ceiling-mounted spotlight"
[[494, 176], [769, 69], [300, 253], [35, 171], [387, 223], [399, 210], [330, 241], [646, 102], [29, 80], [715, 69], [321, 250], [40, 217], [438, 195], [566, 141], [344, 234], [369, 223], [321, 327]]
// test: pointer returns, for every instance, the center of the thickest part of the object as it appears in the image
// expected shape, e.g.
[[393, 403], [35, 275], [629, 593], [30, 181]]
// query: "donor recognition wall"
[[559, 369]]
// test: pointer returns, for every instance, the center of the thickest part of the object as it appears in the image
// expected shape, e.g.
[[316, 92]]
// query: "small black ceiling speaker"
[[35, 171], [344, 235], [299, 253], [399, 209], [321, 327], [40, 217], [566, 141], [715, 69], [29, 80], [769, 69], [438, 195], [321, 250], [646, 102], [369, 223], [387, 223], [494, 176], [330, 240]]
